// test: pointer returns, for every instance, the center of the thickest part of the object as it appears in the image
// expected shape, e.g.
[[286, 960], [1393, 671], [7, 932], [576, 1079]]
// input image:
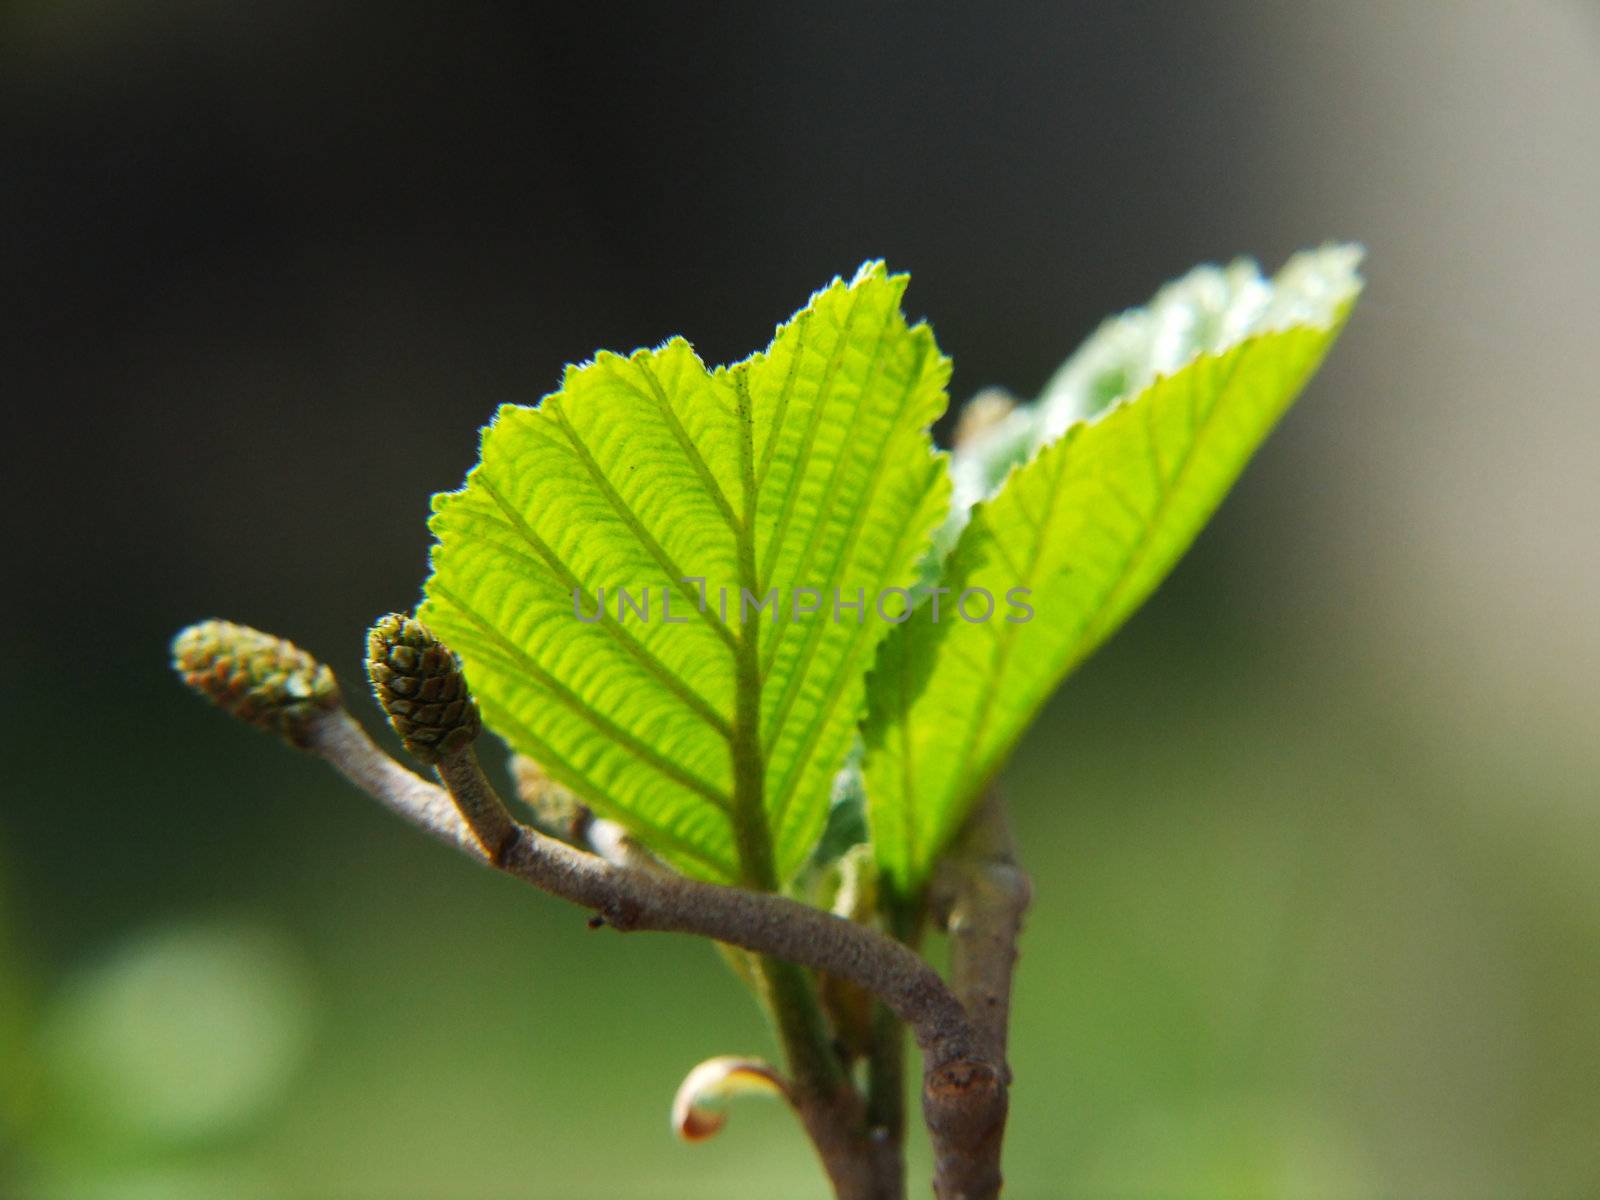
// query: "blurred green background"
[[1315, 839]]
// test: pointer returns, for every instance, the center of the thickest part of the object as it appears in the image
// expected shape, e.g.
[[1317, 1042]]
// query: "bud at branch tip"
[[264, 680], [419, 684]]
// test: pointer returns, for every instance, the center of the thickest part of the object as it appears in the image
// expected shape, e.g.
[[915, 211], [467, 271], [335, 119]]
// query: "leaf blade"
[[809, 460], [1091, 524]]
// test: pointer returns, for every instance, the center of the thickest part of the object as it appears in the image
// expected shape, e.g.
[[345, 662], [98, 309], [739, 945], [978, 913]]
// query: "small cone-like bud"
[[259, 678], [418, 682]]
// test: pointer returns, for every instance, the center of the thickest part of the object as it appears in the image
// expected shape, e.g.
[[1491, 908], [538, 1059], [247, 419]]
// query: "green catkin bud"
[[259, 678], [419, 684]]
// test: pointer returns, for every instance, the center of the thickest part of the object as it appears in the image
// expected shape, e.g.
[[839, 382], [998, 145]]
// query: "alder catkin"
[[265, 680], [419, 684]]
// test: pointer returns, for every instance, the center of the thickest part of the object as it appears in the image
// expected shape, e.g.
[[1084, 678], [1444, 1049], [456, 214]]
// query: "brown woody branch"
[[964, 1078], [980, 897]]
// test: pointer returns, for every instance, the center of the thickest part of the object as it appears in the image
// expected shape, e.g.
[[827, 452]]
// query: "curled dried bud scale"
[[699, 1110], [259, 678], [419, 684]]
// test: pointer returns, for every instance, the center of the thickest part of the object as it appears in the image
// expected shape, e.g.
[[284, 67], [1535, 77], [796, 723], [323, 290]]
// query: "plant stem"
[[749, 816], [790, 993], [822, 1092], [959, 1081], [886, 1075], [791, 996], [886, 1083], [982, 894]]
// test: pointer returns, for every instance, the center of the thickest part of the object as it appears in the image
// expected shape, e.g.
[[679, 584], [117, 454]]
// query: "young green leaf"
[[643, 574], [1088, 526]]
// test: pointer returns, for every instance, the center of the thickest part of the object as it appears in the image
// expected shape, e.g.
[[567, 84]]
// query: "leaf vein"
[[576, 705]]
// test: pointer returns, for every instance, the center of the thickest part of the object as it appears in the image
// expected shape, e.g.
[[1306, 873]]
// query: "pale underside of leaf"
[[1090, 526], [808, 466]]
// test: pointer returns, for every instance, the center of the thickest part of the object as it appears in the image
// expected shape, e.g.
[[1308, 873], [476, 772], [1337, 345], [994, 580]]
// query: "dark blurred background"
[[1315, 838]]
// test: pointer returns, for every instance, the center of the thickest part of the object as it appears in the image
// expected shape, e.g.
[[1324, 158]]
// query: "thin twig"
[[960, 1079], [981, 895], [830, 1109], [886, 1064]]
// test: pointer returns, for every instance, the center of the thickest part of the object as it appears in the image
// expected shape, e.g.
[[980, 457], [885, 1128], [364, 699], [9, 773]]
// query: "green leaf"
[[1090, 524], [712, 729]]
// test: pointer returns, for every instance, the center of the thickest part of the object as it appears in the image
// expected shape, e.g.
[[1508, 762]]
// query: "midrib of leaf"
[[751, 830], [908, 826], [749, 637], [789, 991]]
